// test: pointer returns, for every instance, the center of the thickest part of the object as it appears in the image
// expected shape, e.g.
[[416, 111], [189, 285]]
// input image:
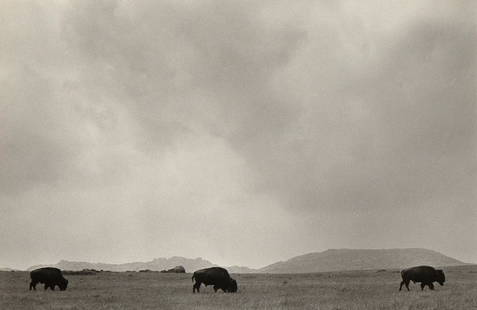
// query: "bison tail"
[[193, 276]]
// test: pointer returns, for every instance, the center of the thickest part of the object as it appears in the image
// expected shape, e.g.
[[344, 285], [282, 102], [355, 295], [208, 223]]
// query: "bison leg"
[[405, 283], [195, 287], [216, 288], [400, 286], [46, 286], [32, 285], [422, 286], [431, 286]]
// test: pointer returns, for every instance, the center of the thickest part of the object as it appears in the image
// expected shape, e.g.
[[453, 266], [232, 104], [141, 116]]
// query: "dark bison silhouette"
[[425, 275], [216, 276], [49, 276]]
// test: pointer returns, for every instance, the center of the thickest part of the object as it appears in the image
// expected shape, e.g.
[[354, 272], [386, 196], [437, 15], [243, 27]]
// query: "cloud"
[[183, 69], [166, 127], [380, 124]]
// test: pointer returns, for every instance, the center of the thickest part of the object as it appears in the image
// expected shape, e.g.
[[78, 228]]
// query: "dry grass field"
[[339, 290]]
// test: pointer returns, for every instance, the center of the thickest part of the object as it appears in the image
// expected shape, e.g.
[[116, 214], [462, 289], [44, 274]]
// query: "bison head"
[[440, 277], [63, 284], [232, 286]]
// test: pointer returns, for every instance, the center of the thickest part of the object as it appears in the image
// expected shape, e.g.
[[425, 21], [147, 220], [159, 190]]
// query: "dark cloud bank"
[[131, 130]]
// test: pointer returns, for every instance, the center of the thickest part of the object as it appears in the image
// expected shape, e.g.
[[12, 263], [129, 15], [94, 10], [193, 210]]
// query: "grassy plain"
[[336, 290]]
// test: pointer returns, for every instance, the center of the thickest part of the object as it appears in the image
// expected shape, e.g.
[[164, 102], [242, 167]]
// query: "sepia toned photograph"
[[213, 154]]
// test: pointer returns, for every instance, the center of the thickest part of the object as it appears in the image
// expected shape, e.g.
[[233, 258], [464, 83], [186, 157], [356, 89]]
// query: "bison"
[[216, 276], [426, 275], [49, 276]]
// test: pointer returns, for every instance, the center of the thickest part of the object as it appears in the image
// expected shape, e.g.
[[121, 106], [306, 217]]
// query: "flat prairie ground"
[[335, 290]]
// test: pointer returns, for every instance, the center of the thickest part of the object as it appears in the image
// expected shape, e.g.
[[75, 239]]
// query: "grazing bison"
[[426, 275], [216, 276], [49, 276]]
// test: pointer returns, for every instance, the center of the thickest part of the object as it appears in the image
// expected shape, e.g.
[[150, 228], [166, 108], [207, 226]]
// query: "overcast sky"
[[244, 132]]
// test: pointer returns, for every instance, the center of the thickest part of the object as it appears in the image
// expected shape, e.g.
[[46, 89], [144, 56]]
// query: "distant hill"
[[329, 260], [156, 264], [241, 269], [6, 269], [351, 259]]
